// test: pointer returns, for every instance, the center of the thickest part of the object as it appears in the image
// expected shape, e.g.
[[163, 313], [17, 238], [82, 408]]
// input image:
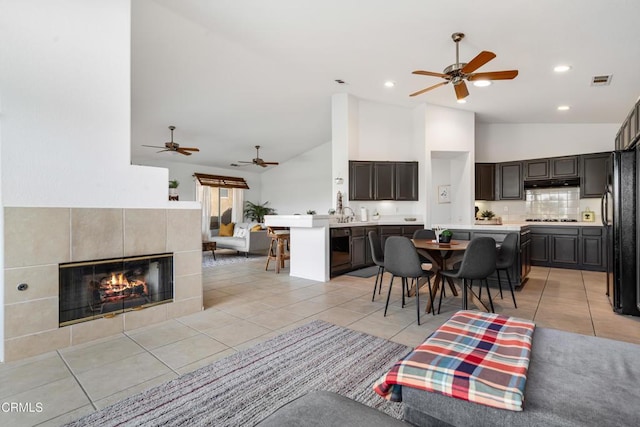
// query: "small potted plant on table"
[[445, 236]]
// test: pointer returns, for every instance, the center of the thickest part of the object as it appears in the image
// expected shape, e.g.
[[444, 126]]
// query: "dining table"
[[443, 257]]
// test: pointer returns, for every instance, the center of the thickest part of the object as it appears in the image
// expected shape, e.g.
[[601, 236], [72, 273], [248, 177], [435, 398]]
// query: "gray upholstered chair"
[[505, 259], [478, 263], [401, 260], [425, 233], [378, 259]]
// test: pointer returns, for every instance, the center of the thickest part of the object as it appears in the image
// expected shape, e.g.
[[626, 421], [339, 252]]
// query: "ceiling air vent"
[[602, 80]]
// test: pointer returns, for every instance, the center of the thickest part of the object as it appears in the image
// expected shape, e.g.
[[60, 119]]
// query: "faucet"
[[351, 217]]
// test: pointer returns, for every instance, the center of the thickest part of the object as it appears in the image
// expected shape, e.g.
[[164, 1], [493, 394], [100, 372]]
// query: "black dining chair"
[[378, 259], [401, 260], [478, 263], [505, 259]]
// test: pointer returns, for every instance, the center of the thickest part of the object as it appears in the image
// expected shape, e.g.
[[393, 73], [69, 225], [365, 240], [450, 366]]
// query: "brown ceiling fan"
[[174, 146], [460, 71], [257, 161]]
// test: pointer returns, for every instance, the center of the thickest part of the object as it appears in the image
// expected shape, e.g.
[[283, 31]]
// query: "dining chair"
[[505, 259], [428, 234], [378, 259], [478, 263], [401, 260]]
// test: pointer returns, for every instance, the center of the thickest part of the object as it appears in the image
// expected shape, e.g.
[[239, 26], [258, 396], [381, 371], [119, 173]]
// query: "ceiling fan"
[[174, 146], [460, 71], [257, 161]]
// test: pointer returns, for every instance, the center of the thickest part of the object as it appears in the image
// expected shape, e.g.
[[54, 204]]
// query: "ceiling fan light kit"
[[255, 161], [459, 72], [174, 147]]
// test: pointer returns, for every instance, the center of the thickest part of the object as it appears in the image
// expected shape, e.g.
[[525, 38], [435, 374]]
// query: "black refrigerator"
[[619, 208]]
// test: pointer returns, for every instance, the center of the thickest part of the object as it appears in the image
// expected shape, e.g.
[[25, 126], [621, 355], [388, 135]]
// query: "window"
[[222, 200], [221, 206]]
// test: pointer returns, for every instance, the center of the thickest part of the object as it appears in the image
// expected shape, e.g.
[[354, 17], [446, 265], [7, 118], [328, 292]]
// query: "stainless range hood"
[[552, 183]]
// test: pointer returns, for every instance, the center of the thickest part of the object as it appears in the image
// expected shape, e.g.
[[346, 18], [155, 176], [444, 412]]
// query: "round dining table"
[[444, 255]]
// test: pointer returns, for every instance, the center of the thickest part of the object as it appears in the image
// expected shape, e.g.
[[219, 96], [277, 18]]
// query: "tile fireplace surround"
[[38, 239]]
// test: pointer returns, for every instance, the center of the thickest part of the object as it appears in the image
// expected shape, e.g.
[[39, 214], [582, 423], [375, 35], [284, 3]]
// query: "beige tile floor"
[[245, 305]]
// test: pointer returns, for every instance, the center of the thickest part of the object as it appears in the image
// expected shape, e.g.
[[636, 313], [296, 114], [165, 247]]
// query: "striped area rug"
[[246, 387]]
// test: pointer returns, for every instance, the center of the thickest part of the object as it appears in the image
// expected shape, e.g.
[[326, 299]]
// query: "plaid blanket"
[[474, 356]]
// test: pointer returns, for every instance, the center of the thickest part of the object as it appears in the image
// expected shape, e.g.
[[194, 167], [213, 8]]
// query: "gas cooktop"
[[550, 220]]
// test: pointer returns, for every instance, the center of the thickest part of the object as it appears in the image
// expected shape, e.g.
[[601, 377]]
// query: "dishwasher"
[[340, 250]]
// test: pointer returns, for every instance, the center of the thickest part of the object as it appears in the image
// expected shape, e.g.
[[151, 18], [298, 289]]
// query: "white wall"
[[366, 130], [497, 142], [183, 172], [301, 184], [65, 87], [449, 137]]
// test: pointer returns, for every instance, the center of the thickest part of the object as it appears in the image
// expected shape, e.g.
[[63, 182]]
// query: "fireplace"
[[104, 288]]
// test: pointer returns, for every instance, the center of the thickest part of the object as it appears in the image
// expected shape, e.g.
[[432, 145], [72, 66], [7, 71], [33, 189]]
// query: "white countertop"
[[374, 223], [516, 226]]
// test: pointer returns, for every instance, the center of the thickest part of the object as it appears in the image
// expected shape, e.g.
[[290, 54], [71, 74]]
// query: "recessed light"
[[482, 83], [561, 68], [563, 107], [389, 83], [462, 101]]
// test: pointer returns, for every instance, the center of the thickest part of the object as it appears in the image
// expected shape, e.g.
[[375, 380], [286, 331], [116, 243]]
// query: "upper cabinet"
[[485, 181], [629, 133], [552, 168], [510, 181], [406, 181], [595, 169], [383, 180], [360, 180]]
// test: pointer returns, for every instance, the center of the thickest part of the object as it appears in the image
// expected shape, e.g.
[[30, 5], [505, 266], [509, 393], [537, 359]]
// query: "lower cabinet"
[[350, 248], [580, 248], [522, 265], [358, 248]]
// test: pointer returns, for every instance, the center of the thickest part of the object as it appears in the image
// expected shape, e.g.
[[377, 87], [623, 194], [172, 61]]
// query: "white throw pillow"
[[240, 232]]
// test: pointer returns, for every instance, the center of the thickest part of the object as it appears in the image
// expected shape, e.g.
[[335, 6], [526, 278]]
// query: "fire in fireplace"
[[104, 288]]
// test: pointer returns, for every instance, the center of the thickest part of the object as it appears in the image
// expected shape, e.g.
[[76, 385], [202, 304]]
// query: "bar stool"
[[279, 249]]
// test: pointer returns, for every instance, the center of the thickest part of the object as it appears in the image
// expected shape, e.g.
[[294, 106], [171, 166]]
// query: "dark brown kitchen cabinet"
[[551, 168], [510, 181], [485, 181], [358, 247], [594, 174], [537, 169], [630, 130], [568, 247], [406, 181], [564, 167], [360, 180], [383, 180]]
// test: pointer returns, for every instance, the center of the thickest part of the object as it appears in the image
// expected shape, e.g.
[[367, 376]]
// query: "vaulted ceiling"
[[232, 74]]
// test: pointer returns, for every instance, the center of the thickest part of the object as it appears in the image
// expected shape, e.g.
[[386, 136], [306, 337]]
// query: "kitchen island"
[[322, 248]]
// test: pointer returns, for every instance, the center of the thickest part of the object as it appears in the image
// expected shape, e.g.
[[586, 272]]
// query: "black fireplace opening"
[[104, 288]]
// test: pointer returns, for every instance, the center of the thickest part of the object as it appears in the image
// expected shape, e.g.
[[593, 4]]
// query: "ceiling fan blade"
[[264, 165], [430, 73], [461, 90], [189, 148], [242, 161], [182, 151], [162, 151], [152, 146], [420, 92], [494, 75], [477, 62], [269, 163]]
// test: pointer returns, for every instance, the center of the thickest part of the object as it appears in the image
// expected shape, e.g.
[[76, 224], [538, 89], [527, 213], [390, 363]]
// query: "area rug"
[[246, 387], [365, 272], [226, 258]]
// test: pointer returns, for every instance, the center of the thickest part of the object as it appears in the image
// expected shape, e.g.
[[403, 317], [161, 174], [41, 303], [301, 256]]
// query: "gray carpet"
[[364, 272], [226, 257], [246, 387]]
